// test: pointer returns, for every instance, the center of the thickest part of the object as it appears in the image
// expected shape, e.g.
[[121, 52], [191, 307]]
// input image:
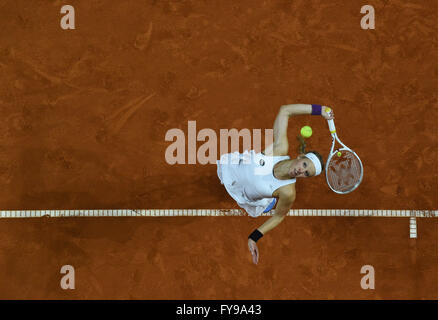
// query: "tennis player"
[[261, 182]]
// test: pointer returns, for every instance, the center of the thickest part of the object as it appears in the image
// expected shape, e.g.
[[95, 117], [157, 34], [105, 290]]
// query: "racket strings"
[[344, 171]]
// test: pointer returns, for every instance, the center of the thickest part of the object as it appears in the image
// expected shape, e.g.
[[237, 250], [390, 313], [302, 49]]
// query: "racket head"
[[343, 173]]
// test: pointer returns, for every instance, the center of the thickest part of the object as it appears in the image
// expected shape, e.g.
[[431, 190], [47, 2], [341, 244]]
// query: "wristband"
[[316, 110], [255, 235]]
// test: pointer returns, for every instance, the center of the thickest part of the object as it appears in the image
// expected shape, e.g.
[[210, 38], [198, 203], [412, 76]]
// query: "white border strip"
[[413, 228], [216, 213]]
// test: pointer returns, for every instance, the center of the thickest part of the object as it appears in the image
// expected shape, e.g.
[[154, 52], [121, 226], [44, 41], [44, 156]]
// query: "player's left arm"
[[286, 198]]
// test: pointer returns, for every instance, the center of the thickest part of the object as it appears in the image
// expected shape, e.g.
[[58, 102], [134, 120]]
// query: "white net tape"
[[214, 213]]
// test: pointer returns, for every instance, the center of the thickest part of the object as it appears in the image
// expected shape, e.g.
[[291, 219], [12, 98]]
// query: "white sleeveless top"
[[249, 179]]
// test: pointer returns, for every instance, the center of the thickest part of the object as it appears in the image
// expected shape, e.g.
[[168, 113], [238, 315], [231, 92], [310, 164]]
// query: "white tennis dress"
[[249, 179]]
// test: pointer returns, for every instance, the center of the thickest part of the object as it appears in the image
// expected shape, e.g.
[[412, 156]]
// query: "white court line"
[[215, 213], [413, 228]]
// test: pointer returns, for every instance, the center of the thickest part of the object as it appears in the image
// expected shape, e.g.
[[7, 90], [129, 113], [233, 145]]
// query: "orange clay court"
[[83, 119]]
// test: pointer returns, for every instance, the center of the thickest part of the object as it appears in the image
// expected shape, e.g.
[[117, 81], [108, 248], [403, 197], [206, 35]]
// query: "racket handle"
[[331, 125]]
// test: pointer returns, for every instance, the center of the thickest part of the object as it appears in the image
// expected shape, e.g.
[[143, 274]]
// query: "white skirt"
[[230, 175]]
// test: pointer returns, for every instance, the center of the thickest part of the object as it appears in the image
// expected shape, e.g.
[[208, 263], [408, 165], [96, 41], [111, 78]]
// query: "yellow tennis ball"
[[306, 131], [339, 153]]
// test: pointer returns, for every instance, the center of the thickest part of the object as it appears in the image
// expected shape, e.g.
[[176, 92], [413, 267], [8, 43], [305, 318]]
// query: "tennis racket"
[[344, 170]]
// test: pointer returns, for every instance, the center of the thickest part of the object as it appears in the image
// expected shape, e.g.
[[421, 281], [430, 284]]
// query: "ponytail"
[[302, 144]]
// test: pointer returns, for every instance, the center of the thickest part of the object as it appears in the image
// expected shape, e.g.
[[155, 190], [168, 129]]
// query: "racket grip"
[[331, 125]]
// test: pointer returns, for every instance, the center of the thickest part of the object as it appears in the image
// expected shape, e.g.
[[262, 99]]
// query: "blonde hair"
[[302, 150], [302, 145]]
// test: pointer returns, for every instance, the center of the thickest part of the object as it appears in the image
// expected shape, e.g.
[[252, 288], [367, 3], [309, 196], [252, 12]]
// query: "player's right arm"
[[280, 147]]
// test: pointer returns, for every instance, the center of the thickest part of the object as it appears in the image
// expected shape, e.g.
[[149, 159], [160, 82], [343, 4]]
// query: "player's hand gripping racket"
[[344, 170]]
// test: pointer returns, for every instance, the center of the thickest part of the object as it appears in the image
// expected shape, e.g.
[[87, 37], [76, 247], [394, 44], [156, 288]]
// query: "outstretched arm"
[[283, 206], [285, 201], [280, 147]]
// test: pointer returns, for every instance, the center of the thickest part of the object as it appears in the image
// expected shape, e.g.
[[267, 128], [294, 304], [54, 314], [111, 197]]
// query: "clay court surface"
[[84, 113]]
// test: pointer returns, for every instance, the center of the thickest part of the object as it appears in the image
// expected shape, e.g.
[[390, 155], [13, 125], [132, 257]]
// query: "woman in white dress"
[[260, 182]]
